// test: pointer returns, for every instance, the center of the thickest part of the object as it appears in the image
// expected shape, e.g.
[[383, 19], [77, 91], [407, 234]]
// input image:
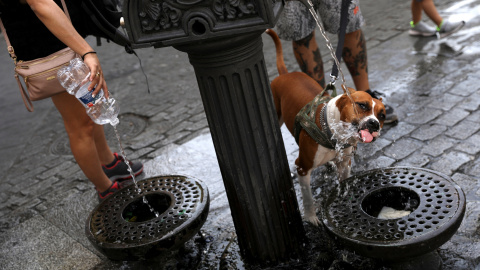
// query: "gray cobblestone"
[[471, 103], [468, 184], [423, 116], [474, 168], [179, 127], [21, 185], [379, 162], [140, 153], [198, 125], [464, 129], [400, 130], [56, 170], [159, 117], [452, 117], [451, 162], [366, 150], [39, 158], [466, 87], [438, 146], [3, 197], [402, 148], [40, 188], [146, 139], [193, 135], [474, 116], [428, 132], [415, 160], [177, 110], [159, 150], [199, 117], [69, 171], [471, 145], [471, 220], [445, 102], [425, 86], [55, 160]]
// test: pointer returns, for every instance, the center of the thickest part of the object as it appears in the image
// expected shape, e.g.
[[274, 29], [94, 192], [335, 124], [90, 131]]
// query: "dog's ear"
[[350, 90]]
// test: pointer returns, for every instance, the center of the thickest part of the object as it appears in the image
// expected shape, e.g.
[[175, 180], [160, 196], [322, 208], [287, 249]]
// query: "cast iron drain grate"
[[436, 203], [123, 228]]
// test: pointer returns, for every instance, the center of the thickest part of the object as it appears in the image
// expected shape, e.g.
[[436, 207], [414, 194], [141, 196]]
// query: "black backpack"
[[104, 20]]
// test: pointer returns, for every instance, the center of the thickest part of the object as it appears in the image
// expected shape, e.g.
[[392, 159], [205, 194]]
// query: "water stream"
[[137, 188]]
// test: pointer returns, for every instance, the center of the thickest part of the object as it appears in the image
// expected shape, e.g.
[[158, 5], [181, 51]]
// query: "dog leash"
[[341, 41]]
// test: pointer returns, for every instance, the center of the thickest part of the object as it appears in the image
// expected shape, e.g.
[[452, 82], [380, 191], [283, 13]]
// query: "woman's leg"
[[103, 150], [416, 11], [431, 11], [81, 132]]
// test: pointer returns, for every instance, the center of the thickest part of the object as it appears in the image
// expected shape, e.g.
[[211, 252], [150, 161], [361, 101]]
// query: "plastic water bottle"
[[74, 78]]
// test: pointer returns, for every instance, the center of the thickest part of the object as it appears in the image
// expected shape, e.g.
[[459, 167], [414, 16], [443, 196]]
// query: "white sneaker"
[[448, 28], [421, 29]]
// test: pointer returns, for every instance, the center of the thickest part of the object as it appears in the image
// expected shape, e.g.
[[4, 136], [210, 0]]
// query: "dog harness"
[[305, 119]]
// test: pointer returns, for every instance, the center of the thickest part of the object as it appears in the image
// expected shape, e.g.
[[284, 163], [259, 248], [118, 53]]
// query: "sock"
[[440, 26]]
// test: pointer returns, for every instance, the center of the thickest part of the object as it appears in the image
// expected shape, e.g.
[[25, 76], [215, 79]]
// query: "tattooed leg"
[[355, 56], [309, 58]]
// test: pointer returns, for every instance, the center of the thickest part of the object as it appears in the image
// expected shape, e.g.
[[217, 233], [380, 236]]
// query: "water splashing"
[[137, 188]]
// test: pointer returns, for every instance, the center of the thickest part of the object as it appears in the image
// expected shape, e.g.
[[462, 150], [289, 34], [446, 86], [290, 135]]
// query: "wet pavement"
[[432, 84]]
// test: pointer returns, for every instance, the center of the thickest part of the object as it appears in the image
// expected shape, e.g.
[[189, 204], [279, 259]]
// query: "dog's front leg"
[[308, 201], [344, 163]]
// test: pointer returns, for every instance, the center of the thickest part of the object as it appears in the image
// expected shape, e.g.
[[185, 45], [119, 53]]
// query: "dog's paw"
[[314, 220]]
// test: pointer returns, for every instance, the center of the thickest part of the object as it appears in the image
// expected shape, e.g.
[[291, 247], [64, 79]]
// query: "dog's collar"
[[305, 119]]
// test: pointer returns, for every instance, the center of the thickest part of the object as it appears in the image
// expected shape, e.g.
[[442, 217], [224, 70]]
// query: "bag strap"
[[10, 49], [26, 99]]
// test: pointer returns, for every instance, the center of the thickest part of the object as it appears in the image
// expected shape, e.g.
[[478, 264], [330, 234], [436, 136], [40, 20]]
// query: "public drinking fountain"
[[224, 45], [434, 208]]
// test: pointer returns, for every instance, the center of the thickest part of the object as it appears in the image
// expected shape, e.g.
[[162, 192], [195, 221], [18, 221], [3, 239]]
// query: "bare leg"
[[104, 153], [416, 11], [355, 56], [429, 7], [309, 58], [81, 129]]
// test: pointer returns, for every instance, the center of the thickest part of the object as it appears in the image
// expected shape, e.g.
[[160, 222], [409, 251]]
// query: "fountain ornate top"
[[161, 23]]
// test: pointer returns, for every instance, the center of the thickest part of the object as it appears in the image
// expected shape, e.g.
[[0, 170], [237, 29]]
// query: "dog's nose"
[[373, 125]]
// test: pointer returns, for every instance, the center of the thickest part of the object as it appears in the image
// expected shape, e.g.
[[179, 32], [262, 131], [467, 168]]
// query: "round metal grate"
[[436, 203], [123, 228]]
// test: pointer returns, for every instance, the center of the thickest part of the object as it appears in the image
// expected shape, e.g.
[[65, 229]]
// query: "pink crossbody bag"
[[39, 75]]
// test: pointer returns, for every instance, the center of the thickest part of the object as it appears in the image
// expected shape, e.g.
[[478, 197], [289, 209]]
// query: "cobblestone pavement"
[[432, 84]]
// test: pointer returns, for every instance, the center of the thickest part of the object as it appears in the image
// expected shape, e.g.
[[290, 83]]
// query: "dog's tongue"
[[366, 136]]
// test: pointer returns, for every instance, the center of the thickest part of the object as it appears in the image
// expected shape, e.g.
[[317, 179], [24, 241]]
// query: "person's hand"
[[96, 75]]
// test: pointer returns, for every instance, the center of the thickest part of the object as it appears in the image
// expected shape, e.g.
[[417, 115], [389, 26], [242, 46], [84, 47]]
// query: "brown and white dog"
[[341, 123]]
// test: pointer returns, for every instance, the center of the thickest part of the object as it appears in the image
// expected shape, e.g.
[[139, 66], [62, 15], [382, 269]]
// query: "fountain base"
[[435, 207], [123, 228]]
